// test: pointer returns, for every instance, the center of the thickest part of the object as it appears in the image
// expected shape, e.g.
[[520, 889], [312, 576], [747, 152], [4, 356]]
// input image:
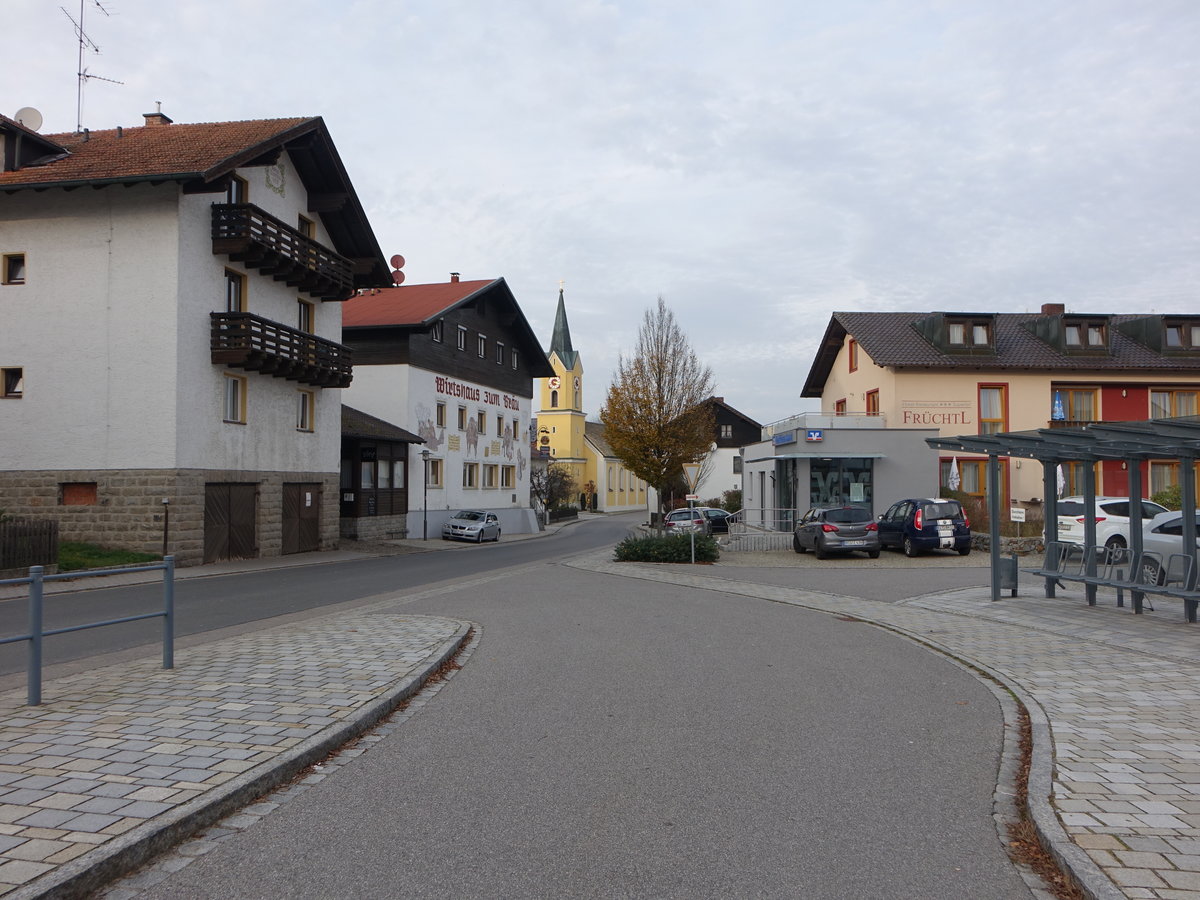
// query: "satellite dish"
[[29, 117]]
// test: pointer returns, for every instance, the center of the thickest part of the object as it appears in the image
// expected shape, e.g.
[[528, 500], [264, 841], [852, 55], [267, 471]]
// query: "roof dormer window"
[[964, 334], [1081, 334], [1182, 335]]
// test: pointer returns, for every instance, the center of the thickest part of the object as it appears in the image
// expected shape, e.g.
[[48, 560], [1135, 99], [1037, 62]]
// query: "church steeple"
[[560, 341]]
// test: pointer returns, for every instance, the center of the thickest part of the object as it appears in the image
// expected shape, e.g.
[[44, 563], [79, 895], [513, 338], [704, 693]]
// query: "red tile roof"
[[413, 304], [149, 152]]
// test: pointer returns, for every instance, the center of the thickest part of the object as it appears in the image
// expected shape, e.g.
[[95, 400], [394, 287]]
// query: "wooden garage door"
[[301, 517], [230, 513]]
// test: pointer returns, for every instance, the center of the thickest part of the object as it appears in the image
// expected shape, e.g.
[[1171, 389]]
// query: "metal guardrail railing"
[[760, 529], [36, 581]]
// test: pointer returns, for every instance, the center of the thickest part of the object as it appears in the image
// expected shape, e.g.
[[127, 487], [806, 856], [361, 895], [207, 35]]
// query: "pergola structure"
[[1131, 442]]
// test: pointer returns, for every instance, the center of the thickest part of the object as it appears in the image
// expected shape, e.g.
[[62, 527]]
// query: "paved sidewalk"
[[121, 761]]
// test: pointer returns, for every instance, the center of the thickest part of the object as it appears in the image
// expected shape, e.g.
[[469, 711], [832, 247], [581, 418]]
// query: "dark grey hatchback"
[[840, 529]]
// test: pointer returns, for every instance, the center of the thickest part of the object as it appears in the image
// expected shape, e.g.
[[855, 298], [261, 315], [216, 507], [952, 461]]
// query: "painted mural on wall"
[[493, 426]]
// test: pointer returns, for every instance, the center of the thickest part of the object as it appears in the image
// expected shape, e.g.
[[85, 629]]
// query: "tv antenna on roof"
[[85, 43]]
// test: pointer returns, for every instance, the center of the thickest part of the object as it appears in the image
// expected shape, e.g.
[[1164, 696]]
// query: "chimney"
[[453, 277], [1053, 309], [156, 117]]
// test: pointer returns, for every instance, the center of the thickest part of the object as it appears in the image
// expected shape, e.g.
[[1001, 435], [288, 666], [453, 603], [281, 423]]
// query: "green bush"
[[1170, 497], [675, 548]]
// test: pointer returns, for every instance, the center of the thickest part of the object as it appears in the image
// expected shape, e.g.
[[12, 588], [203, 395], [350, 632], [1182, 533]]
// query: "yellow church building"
[[602, 481]]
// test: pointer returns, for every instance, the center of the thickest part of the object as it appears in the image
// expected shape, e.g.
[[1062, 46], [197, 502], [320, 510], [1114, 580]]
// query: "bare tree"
[[655, 415], [552, 486]]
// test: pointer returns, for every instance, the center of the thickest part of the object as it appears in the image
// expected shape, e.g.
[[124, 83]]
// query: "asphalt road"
[[206, 605], [617, 738]]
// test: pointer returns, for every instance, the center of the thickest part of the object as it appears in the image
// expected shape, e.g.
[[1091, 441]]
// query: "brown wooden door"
[[230, 514], [301, 517]]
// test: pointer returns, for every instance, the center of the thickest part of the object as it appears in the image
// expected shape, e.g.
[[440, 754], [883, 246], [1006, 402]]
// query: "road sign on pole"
[[691, 471]]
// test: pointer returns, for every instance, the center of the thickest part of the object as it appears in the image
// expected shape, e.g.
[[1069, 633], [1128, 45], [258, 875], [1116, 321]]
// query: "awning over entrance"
[[815, 455], [1134, 442]]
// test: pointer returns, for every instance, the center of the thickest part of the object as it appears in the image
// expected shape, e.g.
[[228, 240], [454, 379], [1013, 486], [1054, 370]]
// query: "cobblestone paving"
[[111, 751], [1121, 695]]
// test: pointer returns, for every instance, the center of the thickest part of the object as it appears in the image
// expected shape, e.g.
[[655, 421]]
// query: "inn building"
[[983, 373], [454, 363]]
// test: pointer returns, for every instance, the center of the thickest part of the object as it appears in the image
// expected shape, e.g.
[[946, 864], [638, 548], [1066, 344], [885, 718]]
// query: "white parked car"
[[1112, 519]]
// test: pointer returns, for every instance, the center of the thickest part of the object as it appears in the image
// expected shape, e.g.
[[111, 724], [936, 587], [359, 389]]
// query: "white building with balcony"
[[172, 329]]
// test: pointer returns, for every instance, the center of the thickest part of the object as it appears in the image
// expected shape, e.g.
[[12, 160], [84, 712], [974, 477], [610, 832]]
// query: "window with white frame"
[[499, 426], [441, 415], [462, 418], [489, 475], [438, 330], [470, 475], [462, 337], [514, 358], [481, 422], [481, 346], [499, 353], [508, 476], [235, 399], [434, 469], [305, 408]]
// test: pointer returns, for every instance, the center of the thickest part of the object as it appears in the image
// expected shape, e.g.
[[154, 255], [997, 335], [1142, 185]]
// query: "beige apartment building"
[[981, 373]]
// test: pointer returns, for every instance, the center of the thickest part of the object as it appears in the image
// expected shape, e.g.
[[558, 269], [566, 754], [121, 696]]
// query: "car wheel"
[[963, 551], [1151, 573], [1116, 542], [819, 550], [796, 545], [909, 548], [496, 539], [874, 554], [479, 537]]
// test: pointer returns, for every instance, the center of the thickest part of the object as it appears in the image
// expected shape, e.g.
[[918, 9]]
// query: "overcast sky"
[[758, 164]]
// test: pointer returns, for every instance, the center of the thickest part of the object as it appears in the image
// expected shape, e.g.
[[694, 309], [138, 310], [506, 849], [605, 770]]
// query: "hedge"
[[675, 548]]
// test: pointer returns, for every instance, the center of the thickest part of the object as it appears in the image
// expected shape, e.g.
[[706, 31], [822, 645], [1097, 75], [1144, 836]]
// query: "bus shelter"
[[1131, 442]]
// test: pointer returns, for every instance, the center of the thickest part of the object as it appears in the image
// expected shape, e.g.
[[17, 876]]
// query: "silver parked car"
[[683, 521], [841, 529], [472, 525], [1164, 535]]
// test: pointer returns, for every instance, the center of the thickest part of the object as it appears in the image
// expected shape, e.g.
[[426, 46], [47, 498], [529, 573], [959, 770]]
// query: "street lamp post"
[[425, 497]]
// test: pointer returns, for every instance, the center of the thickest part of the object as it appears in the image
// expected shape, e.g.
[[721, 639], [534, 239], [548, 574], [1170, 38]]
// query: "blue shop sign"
[[814, 434], [787, 437]]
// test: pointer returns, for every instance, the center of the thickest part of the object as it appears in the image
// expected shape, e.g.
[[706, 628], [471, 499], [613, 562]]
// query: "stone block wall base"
[[129, 513]]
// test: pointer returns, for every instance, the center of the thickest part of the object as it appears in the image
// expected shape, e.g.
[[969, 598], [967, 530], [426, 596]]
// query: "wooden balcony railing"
[[258, 240], [246, 341]]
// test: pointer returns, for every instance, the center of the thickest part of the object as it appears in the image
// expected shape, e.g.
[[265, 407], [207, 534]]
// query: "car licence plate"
[[853, 543]]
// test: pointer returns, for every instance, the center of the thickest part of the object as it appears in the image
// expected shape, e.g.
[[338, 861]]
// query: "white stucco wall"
[[112, 329], [93, 328]]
